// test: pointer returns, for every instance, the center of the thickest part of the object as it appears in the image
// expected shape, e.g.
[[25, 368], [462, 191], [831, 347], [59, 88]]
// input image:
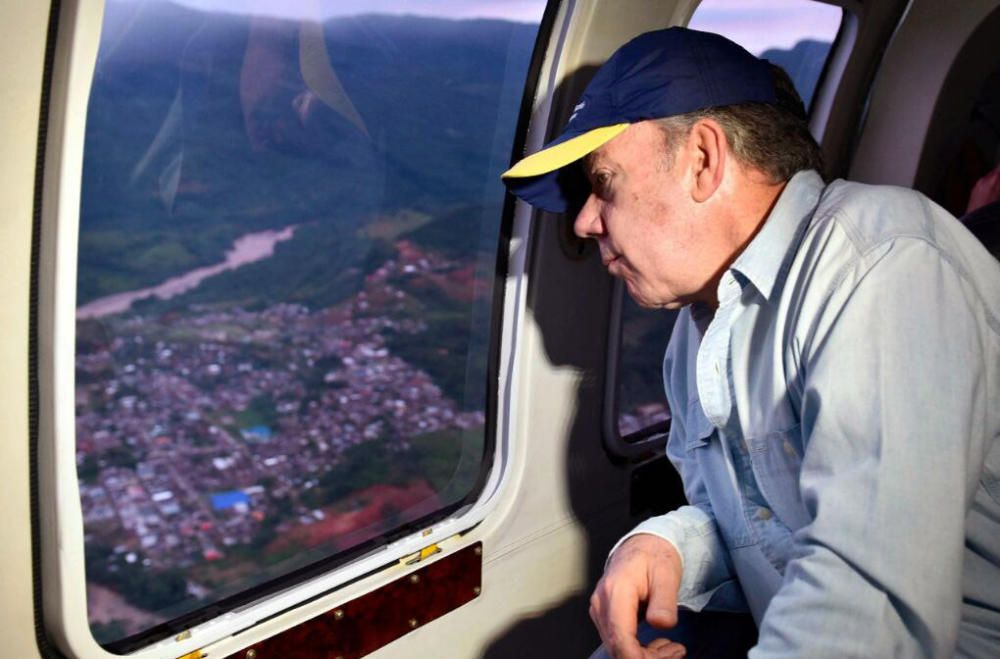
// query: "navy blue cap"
[[657, 74]]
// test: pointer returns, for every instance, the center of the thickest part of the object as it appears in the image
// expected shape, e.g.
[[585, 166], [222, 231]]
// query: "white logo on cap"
[[576, 110]]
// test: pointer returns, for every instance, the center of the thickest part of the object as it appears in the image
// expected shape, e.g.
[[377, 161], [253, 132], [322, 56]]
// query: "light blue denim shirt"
[[835, 422]]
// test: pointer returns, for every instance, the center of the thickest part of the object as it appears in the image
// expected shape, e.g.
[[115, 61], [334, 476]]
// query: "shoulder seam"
[[860, 256]]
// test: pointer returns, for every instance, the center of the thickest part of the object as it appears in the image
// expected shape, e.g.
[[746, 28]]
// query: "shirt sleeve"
[[894, 417], [707, 577]]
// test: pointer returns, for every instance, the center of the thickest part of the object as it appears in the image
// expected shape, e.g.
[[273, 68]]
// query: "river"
[[246, 249]]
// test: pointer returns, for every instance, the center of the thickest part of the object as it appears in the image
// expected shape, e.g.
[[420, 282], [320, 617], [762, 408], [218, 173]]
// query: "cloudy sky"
[[757, 24], [763, 24], [516, 10]]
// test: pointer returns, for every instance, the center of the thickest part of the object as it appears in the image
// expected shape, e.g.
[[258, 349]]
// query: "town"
[[202, 433]]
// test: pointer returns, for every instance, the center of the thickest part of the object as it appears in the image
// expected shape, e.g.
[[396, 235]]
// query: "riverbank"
[[246, 249]]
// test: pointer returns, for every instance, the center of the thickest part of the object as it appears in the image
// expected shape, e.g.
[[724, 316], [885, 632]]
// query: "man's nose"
[[586, 224]]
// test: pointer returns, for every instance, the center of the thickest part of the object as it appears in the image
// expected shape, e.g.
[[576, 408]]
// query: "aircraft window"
[[795, 34], [287, 254]]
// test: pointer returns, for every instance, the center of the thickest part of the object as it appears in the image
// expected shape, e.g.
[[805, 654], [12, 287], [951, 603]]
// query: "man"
[[832, 376]]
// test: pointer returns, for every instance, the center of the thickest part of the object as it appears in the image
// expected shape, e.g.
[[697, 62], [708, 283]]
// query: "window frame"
[[57, 506], [647, 440], [652, 440]]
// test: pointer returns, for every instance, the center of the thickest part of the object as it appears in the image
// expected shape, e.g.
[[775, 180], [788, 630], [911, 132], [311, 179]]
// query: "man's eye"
[[601, 179]]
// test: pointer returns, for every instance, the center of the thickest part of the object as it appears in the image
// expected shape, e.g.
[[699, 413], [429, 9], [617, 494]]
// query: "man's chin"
[[651, 302], [674, 305]]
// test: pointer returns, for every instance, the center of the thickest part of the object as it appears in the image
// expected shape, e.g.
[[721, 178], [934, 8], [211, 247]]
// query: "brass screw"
[[251, 653], [414, 578], [413, 623], [477, 590], [338, 614], [478, 551]]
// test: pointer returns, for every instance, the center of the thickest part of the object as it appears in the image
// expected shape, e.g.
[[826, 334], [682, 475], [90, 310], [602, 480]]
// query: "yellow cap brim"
[[562, 154]]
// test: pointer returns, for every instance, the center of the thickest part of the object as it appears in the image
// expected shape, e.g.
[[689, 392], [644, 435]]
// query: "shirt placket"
[[714, 371], [715, 388]]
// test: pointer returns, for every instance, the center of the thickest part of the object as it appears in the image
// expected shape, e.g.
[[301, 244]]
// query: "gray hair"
[[773, 139]]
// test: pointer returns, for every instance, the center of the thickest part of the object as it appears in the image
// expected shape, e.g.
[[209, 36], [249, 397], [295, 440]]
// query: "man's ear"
[[711, 148]]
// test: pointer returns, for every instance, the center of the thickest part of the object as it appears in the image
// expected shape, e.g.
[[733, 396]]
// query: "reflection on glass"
[[287, 247], [796, 35]]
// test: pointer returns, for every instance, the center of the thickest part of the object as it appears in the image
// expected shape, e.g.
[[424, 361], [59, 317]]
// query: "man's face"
[[643, 217]]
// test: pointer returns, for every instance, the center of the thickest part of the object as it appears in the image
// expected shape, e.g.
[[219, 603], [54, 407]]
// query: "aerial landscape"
[[284, 293]]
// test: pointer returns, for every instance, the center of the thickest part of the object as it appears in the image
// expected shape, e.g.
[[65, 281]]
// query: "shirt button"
[[764, 513]]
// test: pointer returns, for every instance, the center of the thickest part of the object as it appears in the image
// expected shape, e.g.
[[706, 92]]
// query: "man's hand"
[[645, 568]]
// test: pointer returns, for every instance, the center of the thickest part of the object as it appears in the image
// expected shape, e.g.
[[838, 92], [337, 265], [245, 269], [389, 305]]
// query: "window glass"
[[795, 34], [642, 403], [288, 242]]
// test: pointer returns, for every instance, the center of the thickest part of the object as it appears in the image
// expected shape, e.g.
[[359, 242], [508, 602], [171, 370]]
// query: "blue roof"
[[224, 500]]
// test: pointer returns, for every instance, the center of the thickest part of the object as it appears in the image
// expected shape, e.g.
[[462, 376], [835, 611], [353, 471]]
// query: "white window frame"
[[61, 520]]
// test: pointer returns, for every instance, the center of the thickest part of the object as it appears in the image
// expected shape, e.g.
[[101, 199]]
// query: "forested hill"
[[204, 126]]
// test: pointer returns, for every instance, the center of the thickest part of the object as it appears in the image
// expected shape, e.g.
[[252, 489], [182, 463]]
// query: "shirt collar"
[[766, 260]]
